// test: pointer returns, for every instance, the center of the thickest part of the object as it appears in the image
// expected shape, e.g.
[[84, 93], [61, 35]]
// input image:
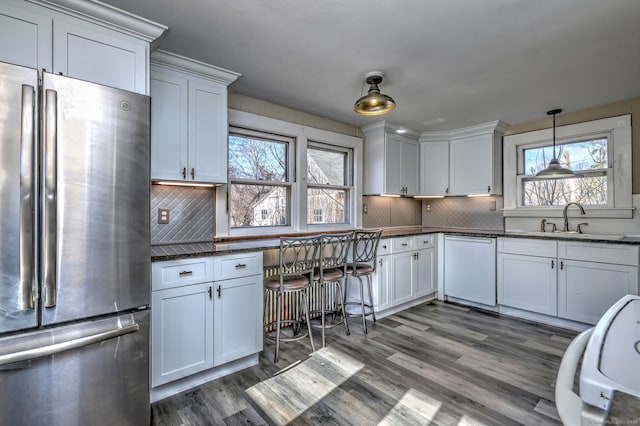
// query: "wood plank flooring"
[[436, 363]]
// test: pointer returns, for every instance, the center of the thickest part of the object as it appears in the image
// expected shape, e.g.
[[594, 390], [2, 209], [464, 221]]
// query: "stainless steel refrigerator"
[[74, 251]]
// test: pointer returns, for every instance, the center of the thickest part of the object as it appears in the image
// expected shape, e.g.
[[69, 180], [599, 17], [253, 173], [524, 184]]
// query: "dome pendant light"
[[374, 102], [554, 170]]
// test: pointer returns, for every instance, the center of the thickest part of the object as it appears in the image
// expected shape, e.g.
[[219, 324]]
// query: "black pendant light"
[[554, 170], [374, 102]]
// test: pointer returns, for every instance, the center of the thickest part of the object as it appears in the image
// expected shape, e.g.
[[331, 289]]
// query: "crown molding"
[[177, 62]]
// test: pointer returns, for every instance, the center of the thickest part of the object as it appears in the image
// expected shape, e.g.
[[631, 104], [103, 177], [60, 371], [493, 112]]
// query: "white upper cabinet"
[[188, 119], [462, 162], [391, 161], [85, 40]]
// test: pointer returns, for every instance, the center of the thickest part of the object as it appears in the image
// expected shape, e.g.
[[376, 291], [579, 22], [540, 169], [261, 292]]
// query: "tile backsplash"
[[389, 211], [463, 212], [191, 214]]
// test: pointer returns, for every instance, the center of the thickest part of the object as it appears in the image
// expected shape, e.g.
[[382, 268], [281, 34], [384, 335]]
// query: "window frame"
[[617, 130], [347, 185], [301, 135]]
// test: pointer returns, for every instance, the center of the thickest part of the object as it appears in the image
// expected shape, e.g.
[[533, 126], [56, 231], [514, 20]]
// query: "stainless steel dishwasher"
[[470, 269]]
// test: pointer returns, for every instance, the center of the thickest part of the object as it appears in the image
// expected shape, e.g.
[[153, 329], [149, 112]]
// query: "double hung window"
[[328, 183]]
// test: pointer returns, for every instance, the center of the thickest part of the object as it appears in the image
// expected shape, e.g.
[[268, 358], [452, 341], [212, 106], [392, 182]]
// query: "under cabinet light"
[[390, 195], [205, 185], [479, 195], [428, 196]]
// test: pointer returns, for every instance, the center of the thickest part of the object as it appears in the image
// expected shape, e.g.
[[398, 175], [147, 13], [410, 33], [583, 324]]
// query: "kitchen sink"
[[608, 237]]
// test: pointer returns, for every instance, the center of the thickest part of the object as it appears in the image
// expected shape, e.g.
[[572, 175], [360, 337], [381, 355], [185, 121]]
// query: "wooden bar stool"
[[298, 259], [331, 273], [365, 249]]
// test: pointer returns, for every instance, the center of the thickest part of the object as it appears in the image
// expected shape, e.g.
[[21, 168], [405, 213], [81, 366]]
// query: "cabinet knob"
[[489, 188], [218, 290], [193, 173], [561, 265], [184, 173], [553, 264], [446, 191], [210, 293]]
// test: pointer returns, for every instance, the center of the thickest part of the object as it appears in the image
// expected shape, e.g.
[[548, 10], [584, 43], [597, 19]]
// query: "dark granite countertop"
[[222, 246]]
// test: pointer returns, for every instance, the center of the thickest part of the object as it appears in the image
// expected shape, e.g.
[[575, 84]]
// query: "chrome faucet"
[[566, 219]]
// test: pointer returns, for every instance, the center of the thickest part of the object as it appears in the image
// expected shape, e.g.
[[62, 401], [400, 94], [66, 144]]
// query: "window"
[[589, 159], [598, 151], [328, 183], [259, 177]]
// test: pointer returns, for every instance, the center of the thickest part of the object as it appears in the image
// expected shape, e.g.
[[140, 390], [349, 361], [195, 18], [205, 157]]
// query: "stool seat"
[[289, 282], [332, 274], [359, 269]]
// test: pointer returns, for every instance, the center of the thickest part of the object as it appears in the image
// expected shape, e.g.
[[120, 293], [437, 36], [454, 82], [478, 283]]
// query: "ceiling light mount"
[[374, 102], [554, 170]]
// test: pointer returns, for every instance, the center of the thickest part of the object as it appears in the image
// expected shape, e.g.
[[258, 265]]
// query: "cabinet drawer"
[[529, 246], [237, 265], [423, 241], [177, 273], [402, 244], [384, 246], [620, 254]]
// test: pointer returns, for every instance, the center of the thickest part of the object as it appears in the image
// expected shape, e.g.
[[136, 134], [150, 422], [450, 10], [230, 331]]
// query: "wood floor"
[[435, 363]]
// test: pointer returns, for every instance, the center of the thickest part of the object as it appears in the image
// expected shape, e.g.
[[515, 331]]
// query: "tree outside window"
[[328, 184], [589, 159]]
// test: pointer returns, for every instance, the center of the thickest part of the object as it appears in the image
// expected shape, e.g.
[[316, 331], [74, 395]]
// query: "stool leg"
[[373, 313], [305, 296], [278, 318], [364, 317], [344, 314]]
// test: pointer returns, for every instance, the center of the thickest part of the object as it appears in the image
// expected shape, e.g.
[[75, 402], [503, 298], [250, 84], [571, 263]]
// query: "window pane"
[[257, 159], [326, 206], [578, 156], [258, 205], [326, 167], [590, 190]]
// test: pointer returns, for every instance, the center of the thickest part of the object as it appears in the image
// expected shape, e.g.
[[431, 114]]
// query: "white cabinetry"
[[573, 280], [470, 269], [89, 41], [188, 119], [181, 318], [405, 271], [472, 163], [586, 287], [526, 274], [237, 306], [391, 161]]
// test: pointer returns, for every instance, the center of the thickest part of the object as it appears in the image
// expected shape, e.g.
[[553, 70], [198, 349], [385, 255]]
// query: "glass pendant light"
[[374, 102], [554, 170]]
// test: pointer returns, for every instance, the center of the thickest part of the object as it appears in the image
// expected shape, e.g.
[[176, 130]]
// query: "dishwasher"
[[470, 269]]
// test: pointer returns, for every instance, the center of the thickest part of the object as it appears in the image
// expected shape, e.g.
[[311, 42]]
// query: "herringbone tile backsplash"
[[191, 213], [463, 212]]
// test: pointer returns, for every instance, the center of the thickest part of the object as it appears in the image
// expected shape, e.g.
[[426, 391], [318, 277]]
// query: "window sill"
[[557, 211]]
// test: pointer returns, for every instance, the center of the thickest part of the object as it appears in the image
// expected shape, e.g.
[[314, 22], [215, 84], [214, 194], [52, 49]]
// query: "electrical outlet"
[[163, 216], [492, 206], [365, 208], [428, 207]]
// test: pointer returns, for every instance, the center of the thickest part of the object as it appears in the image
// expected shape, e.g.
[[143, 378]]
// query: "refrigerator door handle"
[[50, 190], [27, 143], [65, 346]]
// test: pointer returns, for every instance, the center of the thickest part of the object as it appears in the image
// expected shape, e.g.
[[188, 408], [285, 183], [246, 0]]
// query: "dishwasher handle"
[[482, 240]]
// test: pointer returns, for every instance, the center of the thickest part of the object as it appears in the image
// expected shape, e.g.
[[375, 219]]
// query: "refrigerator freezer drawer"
[[105, 380]]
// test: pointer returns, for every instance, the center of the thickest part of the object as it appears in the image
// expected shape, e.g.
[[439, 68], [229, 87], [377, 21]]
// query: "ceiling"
[[448, 64]]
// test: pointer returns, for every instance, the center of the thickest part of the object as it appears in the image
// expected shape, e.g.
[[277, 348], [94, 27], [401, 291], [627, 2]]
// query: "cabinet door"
[[528, 282], [471, 163], [393, 164], [382, 280], [25, 37], [425, 272], [410, 163], [182, 332], [169, 129], [434, 168], [237, 318], [587, 289], [207, 133], [403, 277], [100, 55]]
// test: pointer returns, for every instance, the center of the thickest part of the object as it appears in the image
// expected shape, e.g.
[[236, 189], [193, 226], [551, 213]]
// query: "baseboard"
[[482, 306], [543, 319], [396, 309], [186, 383]]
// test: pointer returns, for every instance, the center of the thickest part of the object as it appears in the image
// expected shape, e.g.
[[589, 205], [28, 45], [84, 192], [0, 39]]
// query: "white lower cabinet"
[[572, 280], [205, 312], [404, 271], [381, 284], [182, 332], [587, 289]]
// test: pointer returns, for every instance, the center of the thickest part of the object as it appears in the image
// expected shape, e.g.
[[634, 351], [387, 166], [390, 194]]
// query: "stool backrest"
[[299, 255], [335, 250], [365, 246]]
